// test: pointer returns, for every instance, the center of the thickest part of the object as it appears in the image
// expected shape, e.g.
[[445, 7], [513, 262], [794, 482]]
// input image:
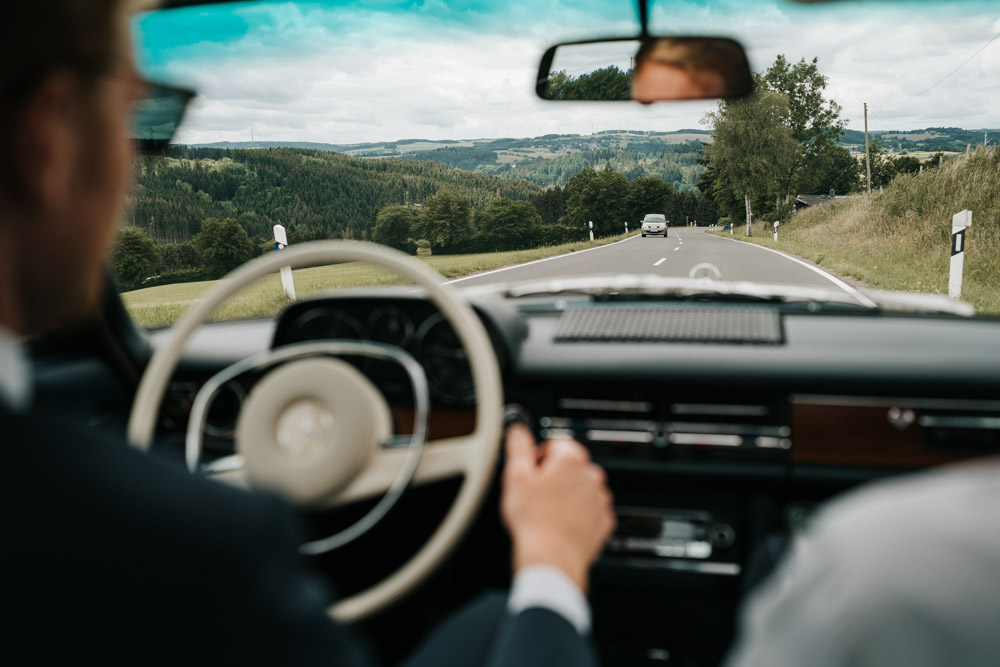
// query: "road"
[[674, 256]]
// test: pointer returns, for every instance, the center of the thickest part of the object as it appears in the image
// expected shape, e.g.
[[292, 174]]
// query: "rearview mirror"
[[651, 69]]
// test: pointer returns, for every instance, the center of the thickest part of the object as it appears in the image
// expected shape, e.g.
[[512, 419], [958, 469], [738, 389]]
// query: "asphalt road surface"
[[674, 256]]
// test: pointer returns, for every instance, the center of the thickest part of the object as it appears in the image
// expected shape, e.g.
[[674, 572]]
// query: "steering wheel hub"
[[308, 428], [304, 428]]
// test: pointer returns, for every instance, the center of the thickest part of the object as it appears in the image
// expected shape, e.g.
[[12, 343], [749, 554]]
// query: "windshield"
[[416, 125]]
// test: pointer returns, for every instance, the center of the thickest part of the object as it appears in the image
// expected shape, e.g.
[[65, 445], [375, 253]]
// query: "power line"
[[935, 84], [885, 125]]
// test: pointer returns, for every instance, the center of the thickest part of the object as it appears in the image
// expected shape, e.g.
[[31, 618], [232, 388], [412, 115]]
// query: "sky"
[[382, 70]]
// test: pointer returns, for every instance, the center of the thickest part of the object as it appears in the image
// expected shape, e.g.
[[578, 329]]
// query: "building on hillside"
[[807, 201]]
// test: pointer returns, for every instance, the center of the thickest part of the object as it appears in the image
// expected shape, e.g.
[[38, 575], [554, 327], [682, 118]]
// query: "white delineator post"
[[280, 242], [959, 223], [590, 226], [776, 223], [626, 226]]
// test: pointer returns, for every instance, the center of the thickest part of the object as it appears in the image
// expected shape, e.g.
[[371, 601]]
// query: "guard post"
[[590, 226], [959, 223], [280, 243], [776, 223]]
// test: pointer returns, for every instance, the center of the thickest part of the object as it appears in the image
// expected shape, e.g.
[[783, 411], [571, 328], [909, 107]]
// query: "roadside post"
[[776, 223], [626, 226], [280, 243], [959, 223], [590, 226]]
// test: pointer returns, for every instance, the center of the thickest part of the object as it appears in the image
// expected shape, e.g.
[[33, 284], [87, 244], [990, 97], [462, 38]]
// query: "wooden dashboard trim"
[[859, 432], [442, 423]]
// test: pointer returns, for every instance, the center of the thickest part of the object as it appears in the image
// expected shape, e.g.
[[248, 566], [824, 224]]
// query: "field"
[[161, 306], [910, 137], [901, 239]]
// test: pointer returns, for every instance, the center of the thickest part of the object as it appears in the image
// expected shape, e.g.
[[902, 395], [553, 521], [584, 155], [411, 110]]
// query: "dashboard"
[[721, 431]]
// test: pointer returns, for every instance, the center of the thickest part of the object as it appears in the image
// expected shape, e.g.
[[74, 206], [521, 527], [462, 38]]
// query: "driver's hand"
[[556, 504]]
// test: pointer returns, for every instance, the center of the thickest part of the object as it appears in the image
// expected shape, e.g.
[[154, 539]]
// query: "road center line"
[[677, 248], [662, 260]]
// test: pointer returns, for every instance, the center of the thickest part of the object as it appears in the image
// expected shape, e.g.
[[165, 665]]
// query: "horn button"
[[308, 428], [304, 428]]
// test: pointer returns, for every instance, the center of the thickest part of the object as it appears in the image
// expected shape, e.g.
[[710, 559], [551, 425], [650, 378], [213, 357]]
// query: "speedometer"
[[392, 325], [326, 324], [445, 362]]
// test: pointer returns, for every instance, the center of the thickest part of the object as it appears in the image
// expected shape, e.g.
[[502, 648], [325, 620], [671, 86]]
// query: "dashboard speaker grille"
[[689, 324]]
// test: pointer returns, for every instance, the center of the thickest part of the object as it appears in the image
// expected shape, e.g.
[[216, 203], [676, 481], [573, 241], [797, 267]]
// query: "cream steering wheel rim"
[[476, 455]]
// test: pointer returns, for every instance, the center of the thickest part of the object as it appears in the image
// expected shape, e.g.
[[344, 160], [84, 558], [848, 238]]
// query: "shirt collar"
[[15, 376]]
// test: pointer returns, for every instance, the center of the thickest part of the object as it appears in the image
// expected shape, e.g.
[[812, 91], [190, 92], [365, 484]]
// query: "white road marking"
[[536, 261], [677, 248], [865, 301], [662, 260]]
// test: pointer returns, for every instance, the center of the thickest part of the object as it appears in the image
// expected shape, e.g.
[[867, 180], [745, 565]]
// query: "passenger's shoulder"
[[933, 535], [943, 500]]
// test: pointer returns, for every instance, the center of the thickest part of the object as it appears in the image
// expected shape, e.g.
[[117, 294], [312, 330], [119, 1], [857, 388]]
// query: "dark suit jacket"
[[109, 556]]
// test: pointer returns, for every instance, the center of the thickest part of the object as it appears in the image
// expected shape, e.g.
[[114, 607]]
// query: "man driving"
[[112, 557]]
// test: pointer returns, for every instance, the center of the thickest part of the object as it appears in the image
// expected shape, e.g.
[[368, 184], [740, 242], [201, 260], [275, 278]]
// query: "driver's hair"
[[41, 37]]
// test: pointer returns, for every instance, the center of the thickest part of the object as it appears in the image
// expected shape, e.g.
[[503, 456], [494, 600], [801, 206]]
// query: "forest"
[[314, 194]]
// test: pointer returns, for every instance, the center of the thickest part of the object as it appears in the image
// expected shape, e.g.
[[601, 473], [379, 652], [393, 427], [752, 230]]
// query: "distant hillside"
[[546, 160], [674, 164], [382, 147], [931, 139], [316, 194]]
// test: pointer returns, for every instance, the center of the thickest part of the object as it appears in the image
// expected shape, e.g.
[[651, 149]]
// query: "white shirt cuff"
[[550, 588]]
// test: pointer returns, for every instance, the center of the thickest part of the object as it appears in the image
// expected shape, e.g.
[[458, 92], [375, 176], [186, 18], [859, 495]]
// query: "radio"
[[666, 533]]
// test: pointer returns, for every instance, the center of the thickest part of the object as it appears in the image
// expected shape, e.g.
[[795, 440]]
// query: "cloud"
[[390, 69]]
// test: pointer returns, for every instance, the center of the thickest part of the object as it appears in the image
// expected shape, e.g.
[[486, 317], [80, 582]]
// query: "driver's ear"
[[44, 144]]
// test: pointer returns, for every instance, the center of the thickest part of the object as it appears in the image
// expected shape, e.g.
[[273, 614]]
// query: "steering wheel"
[[316, 429]]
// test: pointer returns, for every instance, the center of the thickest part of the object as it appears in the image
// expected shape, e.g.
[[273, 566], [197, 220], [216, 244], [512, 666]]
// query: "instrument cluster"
[[414, 325]]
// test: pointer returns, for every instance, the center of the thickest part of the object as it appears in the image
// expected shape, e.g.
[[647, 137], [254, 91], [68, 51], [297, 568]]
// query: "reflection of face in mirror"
[[677, 68]]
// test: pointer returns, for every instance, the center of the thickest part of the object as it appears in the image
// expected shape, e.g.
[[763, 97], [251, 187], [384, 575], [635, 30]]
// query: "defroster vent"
[[671, 323]]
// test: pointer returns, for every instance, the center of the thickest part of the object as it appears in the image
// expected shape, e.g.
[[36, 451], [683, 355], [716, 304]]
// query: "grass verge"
[[161, 306], [900, 239]]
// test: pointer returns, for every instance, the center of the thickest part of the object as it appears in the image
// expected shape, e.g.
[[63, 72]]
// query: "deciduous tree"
[[134, 257], [753, 148], [833, 168], [394, 228], [506, 225], [598, 196], [609, 83], [223, 245], [647, 195], [444, 220], [814, 120]]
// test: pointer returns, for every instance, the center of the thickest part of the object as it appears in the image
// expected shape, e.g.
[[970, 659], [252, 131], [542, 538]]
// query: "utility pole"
[[868, 160]]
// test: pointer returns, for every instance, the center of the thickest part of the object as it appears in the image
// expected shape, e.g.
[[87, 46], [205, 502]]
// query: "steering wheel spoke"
[[439, 460]]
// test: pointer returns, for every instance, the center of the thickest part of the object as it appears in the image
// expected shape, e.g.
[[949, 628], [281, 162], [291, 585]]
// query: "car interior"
[[723, 419]]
